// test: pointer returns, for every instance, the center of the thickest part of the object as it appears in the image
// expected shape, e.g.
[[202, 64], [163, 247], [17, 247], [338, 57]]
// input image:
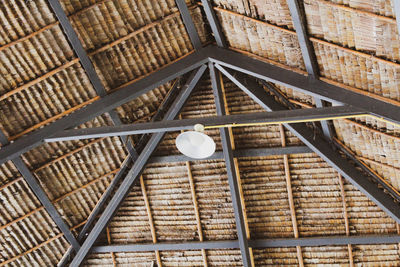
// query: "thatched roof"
[[356, 44]]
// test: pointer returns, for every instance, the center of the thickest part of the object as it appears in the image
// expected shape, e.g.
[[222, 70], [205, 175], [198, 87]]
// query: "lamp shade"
[[195, 145]]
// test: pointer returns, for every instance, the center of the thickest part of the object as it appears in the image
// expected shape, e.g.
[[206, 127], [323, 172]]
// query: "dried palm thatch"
[[356, 44]]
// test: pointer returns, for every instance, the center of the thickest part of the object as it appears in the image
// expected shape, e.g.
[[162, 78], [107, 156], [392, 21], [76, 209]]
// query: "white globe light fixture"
[[195, 144]]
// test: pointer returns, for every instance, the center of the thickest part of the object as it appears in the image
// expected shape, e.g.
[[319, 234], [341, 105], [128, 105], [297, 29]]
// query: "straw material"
[[360, 31], [275, 257], [355, 43], [326, 256], [382, 150], [248, 35], [227, 257], [137, 230], [377, 255], [275, 11], [382, 7], [364, 216], [20, 18], [182, 258], [266, 198], [238, 102]]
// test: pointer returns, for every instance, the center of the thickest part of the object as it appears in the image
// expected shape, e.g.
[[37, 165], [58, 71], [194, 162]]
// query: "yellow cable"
[[297, 121]]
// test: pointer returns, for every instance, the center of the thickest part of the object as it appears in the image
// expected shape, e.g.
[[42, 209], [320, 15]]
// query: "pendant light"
[[195, 144]]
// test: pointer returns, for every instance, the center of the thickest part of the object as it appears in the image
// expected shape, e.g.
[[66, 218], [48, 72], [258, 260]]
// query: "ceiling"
[[51, 76]]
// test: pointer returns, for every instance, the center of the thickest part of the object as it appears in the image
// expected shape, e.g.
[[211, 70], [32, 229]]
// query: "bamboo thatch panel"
[[50, 152], [227, 257], [376, 255], [8, 172], [32, 58], [274, 11], [181, 258], [110, 20], [325, 256], [350, 29], [60, 92], [131, 222], [238, 102], [27, 234], [21, 18], [296, 95], [365, 217], [367, 74], [140, 51], [78, 169], [144, 259], [266, 197], [214, 200], [382, 7], [382, 150], [201, 103], [275, 257], [317, 197], [17, 200], [171, 203], [143, 53], [255, 37], [48, 255], [143, 107], [99, 259], [77, 207]]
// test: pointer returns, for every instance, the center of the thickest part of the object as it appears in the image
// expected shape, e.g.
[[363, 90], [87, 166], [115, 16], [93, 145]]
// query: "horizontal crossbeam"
[[238, 153], [260, 243], [286, 116]]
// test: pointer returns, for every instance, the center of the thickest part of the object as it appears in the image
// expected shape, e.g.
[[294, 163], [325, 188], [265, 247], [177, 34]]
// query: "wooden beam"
[[346, 219], [290, 197], [151, 221]]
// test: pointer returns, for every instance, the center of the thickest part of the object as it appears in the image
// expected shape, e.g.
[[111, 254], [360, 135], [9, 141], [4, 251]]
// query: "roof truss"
[[221, 58], [316, 143]]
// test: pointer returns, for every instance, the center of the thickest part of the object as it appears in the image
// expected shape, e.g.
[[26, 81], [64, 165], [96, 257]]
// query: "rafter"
[[307, 50], [136, 169], [41, 195], [214, 24], [151, 221], [107, 103], [290, 196], [233, 179], [346, 218], [337, 95], [189, 25]]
